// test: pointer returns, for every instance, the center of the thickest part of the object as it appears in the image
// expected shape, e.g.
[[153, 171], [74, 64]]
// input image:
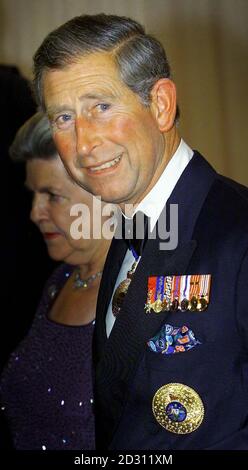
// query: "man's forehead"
[[92, 76], [94, 64]]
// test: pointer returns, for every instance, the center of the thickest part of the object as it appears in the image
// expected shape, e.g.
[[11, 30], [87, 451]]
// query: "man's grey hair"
[[33, 140], [141, 58]]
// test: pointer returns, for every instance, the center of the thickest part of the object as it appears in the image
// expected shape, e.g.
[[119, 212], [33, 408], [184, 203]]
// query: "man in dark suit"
[[172, 318]]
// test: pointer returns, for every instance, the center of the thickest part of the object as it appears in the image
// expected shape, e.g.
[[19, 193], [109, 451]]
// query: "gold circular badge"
[[157, 306], [178, 408]]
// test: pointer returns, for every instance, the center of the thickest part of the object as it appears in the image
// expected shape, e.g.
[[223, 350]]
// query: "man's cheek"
[[64, 144]]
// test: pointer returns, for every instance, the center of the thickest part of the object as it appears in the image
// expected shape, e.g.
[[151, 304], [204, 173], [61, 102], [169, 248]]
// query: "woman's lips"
[[51, 235]]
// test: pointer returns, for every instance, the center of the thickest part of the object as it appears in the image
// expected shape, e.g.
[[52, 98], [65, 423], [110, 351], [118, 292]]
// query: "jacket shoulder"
[[225, 210], [238, 188]]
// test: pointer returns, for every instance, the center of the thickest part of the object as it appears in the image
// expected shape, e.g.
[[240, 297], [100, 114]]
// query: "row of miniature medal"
[[187, 292]]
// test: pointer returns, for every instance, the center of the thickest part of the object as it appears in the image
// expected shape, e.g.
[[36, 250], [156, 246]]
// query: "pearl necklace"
[[78, 282]]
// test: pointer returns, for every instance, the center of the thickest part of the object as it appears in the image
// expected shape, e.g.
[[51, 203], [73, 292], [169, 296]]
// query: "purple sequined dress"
[[46, 387]]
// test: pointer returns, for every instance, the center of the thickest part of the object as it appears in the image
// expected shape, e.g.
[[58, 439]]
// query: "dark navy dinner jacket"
[[213, 239]]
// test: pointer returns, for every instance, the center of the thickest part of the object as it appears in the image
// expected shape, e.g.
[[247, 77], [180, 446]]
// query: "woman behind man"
[[46, 388]]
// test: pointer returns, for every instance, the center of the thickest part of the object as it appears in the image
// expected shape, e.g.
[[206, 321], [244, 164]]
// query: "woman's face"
[[53, 196]]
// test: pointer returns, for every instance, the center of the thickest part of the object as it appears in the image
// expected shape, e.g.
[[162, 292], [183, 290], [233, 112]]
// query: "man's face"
[[109, 142]]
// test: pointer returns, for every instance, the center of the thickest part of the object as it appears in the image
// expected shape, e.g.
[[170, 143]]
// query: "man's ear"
[[164, 103]]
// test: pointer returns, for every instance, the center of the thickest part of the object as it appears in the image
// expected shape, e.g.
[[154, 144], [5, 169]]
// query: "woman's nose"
[[39, 210]]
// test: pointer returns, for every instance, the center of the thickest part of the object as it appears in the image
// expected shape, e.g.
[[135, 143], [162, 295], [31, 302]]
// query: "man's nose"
[[88, 138], [39, 210]]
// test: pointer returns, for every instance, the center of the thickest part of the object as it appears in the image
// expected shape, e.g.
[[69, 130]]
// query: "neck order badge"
[[122, 288], [136, 226]]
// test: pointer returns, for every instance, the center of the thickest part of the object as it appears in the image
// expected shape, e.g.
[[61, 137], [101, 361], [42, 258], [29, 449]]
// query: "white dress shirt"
[[152, 205]]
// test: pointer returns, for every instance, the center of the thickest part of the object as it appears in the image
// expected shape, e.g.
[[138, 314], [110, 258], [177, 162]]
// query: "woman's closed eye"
[[53, 197]]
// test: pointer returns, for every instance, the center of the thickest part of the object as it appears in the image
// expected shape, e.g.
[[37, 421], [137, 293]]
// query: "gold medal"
[[174, 305], [157, 306], [202, 304], [184, 304], [203, 298], [193, 304], [165, 305], [178, 408]]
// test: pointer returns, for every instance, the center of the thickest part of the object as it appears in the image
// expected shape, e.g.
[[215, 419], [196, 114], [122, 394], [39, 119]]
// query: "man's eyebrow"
[[43, 189], [96, 96], [51, 110]]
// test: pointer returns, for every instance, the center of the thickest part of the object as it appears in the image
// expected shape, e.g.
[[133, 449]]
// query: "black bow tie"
[[134, 231]]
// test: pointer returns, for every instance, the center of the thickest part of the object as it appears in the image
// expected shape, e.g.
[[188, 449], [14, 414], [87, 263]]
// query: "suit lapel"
[[119, 355], [116, 253]]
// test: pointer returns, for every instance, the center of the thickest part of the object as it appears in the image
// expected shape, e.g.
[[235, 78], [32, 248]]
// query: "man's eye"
[[103, 106], [63, 121]]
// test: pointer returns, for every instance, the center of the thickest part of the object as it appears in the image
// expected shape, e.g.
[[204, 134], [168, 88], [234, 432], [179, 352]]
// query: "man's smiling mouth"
[[106, 165]]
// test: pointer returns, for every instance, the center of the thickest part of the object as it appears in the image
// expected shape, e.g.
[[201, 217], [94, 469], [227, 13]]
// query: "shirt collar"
[[154, 202]]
